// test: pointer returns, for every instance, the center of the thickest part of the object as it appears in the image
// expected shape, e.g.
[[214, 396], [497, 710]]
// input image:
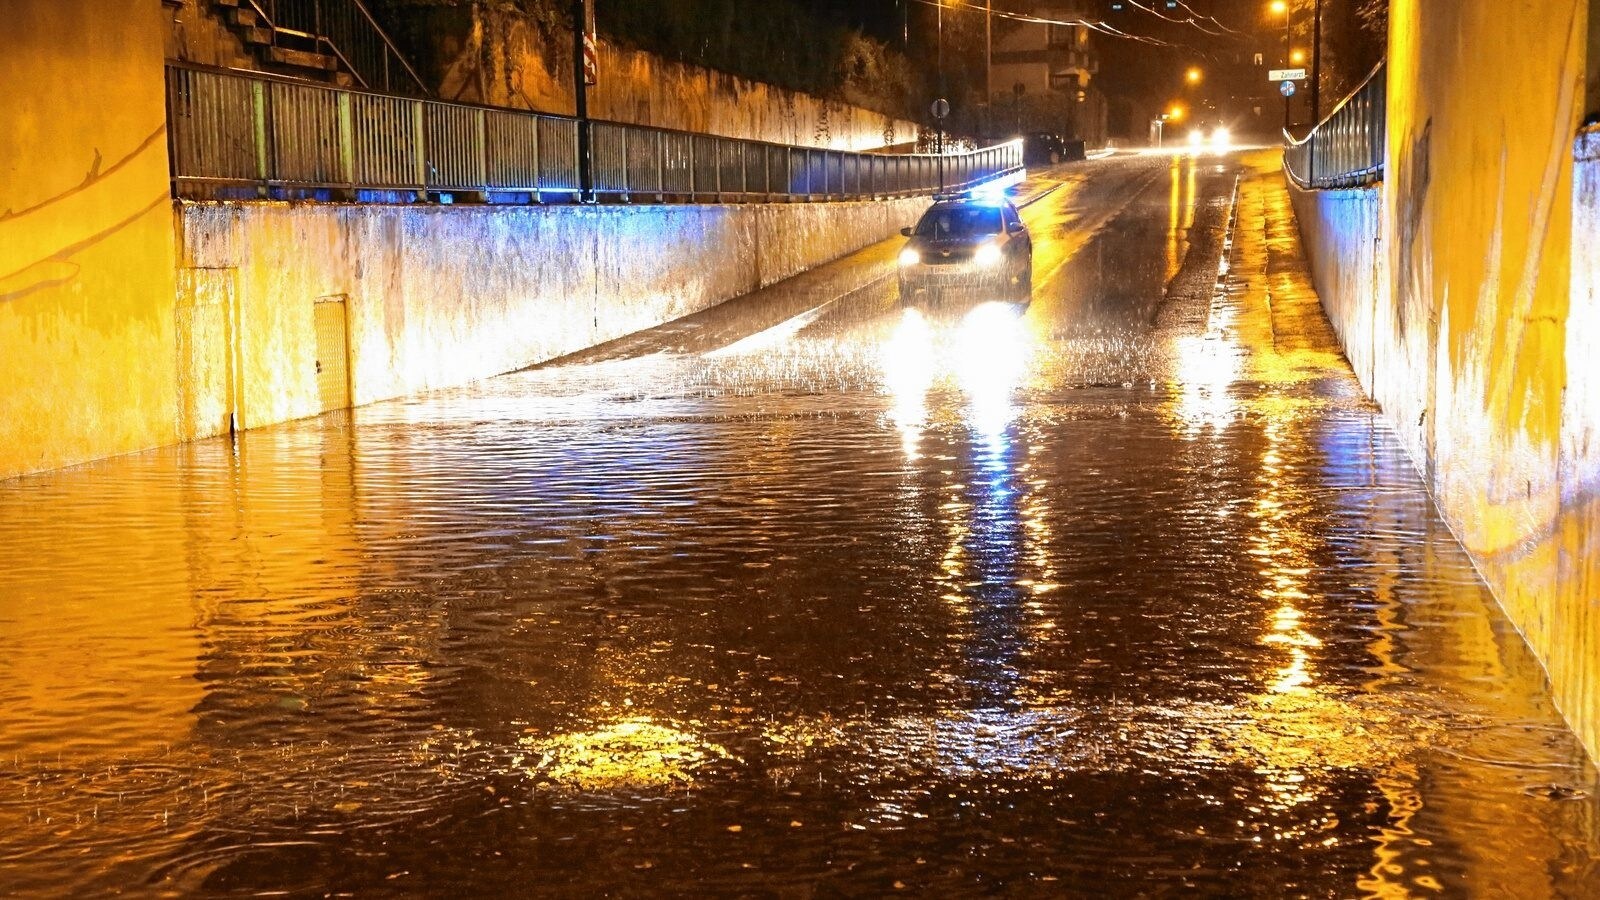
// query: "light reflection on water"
[[351, 651], [914, 605]]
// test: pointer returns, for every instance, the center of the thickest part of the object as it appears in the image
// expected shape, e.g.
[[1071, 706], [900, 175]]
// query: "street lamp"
[[1175, 113], [1193, 76], [1281, 8], [1297, 57]]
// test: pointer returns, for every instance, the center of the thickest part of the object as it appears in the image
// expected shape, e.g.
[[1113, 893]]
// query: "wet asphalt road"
[[1132, 593]]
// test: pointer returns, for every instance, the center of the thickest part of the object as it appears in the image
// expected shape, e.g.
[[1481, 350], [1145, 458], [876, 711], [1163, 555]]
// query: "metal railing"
[[344, 29], [1346, 149], [235, 135]]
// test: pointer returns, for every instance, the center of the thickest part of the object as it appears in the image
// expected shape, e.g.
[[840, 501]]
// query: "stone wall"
[[86, 244], [1465, 293], [480, 55], [438, 296]]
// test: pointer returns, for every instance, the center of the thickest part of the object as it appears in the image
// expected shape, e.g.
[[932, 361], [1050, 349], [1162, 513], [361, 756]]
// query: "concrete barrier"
[[1471, 312], [432, 297]]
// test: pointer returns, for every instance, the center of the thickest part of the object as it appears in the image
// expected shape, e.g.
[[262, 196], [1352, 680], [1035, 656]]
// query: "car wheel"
[[1024, 289]]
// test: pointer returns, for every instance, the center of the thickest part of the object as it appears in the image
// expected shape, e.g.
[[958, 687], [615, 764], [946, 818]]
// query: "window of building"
[[1061, 35]]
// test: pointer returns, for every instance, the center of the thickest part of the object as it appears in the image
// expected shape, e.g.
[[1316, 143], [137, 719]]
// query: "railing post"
[[259, 111], [483, 151], [419, 131], [627, 173], [661, 166], [347, 145]]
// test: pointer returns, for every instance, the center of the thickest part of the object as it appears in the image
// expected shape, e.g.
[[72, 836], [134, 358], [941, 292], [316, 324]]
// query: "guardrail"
[[235, 135], [1345, 149]]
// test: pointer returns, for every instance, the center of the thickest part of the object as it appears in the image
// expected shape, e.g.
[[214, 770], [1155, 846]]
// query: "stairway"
[[334, 41]]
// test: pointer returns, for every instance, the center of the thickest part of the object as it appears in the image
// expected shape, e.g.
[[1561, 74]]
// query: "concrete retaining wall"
[[86, 249], [437, 296], [482, 54], [1465, 293]]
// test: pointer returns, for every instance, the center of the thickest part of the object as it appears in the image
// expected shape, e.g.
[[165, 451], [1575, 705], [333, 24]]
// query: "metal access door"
[[333, 353]]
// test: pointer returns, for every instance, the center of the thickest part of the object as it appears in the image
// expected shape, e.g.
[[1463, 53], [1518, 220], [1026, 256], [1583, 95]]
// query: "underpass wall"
[[439, 296], [1465, 293], [86, 254]]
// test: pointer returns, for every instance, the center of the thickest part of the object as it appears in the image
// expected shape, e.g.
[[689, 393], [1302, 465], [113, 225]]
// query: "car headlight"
[[910, 257], [987, 255]]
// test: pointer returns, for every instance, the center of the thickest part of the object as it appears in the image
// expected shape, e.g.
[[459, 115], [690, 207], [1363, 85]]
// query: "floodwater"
[[1133, 593]]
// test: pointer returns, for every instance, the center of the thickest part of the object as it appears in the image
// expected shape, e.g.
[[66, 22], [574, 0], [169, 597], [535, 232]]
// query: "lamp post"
[[988, 59], [1316, 64], [580, 85], [939, 41], [1281, 8]]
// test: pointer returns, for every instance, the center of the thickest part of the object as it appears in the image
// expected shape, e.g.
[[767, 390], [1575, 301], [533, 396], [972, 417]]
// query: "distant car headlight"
[[988, 255], [1196, 138], [910, 257], [1221, 140]]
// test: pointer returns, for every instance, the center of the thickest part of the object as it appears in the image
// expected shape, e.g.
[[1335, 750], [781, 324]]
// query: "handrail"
[[235, 134], [319, 24], [1346, 149], [393, 49]]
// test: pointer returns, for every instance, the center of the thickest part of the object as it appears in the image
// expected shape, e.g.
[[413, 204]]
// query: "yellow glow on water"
[[1174, 217], [908, 372], [1206, 369], [992, 352], [634, 753]]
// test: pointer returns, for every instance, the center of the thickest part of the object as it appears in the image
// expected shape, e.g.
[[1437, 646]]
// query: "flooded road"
[[1131, 593]]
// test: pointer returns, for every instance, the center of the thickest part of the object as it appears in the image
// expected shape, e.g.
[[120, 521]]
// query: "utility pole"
[[1287, 53], [939, 40], [988, 55], [581, 27], [1316, 65]]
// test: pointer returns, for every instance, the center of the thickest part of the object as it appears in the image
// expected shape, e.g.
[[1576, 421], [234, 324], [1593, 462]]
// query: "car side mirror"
[[1015, 228], [906, 232]]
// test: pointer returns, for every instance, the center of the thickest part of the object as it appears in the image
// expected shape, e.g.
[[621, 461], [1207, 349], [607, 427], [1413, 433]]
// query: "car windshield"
[[959, 222]]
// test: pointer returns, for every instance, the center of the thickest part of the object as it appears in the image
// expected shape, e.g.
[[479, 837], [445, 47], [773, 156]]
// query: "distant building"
[[1043, 72]]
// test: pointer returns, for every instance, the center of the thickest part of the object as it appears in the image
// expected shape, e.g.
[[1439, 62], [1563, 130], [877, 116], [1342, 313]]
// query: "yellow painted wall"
[[86, 265], [1480, 240], [1476, 323]]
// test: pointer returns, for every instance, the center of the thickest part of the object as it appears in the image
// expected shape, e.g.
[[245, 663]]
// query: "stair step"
[[244, 18], [224, 2], [256, 35], [303, 59]]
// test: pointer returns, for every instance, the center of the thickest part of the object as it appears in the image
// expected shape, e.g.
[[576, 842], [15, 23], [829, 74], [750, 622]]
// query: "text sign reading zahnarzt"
[[1287, 75]]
